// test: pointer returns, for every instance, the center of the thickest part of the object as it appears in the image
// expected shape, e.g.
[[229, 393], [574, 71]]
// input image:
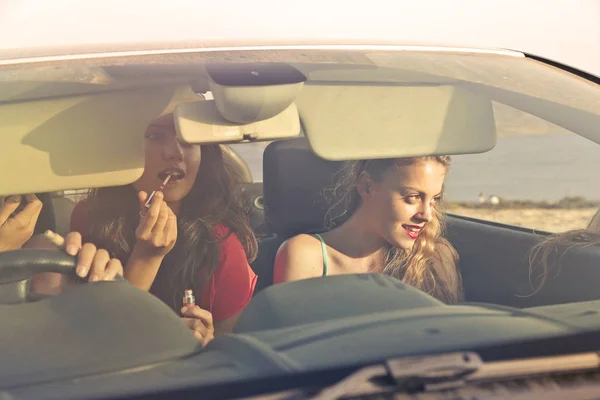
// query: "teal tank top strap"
[[324, 251]]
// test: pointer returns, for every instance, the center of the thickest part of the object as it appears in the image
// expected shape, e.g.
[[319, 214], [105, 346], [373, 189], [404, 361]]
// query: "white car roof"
[[561, 30]]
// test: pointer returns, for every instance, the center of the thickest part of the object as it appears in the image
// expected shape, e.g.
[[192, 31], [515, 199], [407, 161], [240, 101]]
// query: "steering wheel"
[[17, 267]]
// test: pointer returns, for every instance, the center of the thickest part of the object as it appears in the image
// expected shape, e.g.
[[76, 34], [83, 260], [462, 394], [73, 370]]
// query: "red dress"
[[229, 288]]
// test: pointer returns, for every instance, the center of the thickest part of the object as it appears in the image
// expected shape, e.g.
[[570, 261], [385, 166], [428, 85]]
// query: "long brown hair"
[[214, 199], [546, 255], [423, 266]]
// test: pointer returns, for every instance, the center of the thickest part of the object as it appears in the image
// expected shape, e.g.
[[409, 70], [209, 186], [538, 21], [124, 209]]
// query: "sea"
[[535, 167]]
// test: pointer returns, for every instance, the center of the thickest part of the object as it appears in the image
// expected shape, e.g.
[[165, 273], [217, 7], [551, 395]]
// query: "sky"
[[564, 30]]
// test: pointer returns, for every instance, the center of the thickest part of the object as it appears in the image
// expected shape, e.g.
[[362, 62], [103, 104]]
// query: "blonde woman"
[[386, 218]]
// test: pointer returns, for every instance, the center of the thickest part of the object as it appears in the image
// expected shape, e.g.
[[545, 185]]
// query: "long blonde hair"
[[545, 255], [423, 266], [594, 225]]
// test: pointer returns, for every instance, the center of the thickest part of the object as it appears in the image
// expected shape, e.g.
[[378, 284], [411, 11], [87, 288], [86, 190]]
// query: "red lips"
[[176, 174], [412, 231]]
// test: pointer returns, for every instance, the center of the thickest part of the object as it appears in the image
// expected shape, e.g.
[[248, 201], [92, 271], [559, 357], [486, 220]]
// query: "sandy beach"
[[550, 220]]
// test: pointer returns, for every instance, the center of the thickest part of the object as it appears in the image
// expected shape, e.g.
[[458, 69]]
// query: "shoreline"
[[566, 203], [566, 214], [549, 220]]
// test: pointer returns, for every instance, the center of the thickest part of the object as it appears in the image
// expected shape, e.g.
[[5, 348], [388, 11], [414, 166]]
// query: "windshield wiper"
[[413, 374], [451, 371]]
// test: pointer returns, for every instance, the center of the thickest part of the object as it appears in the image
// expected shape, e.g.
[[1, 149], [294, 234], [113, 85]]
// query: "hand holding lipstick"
[[155, 236], [200, 323], [156, 233]]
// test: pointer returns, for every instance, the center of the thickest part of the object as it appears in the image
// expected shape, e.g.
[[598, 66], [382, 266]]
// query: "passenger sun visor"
[[252, 102], [344, 122]]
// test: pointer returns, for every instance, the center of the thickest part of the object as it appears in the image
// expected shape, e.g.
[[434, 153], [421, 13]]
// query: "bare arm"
[[298, 258], [141, 270], [155, 237], [226, 326]]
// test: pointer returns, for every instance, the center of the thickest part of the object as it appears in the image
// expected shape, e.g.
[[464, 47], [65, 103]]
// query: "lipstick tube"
[[188, 298], [160, 189]]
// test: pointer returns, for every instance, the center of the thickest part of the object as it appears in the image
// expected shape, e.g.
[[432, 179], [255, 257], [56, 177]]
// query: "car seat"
[[63, 207], [294, 179], [46, 220]]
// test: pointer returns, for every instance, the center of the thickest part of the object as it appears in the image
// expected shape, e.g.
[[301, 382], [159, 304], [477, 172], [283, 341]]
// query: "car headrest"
[[294, 179]]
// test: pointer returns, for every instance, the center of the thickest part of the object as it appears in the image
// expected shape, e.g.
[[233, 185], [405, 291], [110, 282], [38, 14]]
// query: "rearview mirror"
[[246, 93], [201, 122], [251, 102]]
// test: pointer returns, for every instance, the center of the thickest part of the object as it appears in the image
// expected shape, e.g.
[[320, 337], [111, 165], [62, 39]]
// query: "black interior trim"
[[564, 67]]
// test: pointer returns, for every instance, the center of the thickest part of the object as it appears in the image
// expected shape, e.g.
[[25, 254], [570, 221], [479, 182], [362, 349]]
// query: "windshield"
[[295, 248], [538, 176]]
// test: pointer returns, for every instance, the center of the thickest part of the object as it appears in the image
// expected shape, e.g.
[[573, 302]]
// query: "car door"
[[539, 179]]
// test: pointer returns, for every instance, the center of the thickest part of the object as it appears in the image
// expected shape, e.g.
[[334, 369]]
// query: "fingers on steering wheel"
[[73, 243], [85, 259], [113, 269], [99, 264]]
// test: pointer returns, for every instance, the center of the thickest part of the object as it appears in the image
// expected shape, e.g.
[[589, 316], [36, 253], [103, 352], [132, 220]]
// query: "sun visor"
[[77, 142], [345, 122]]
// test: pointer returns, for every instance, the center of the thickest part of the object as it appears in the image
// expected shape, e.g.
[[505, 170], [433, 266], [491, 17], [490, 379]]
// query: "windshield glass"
[[539, 175], [294, 248]]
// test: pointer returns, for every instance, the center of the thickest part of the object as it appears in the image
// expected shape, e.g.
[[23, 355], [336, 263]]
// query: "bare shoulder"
[[302, 241], [299, 257]]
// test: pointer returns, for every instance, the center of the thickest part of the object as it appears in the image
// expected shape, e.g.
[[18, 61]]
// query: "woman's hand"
[[17, 228], [93, 264], [156, 233], [200, 322]]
